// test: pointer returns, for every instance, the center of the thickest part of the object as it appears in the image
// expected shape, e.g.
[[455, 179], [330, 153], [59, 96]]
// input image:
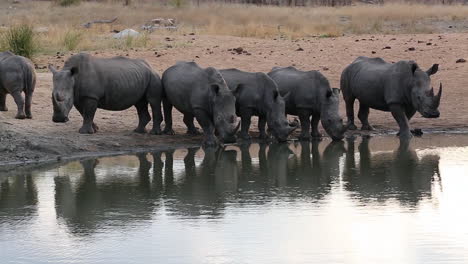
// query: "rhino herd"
[[215, 98]]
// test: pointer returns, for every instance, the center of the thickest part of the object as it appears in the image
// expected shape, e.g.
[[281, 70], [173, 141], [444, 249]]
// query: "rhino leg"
[[3, 106], [261, 127], [20, 104], [304, 118], [95, 127], [169, 168], [350, 112], [400, 116], [88, 111], [246, 115], [27, 106], [191, 129], [314, 125], [167, 117], [363, 116], [204, 120], [143, 116], [155, 103]]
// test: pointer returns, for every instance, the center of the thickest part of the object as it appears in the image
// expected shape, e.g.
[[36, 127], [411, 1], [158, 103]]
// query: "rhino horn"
[[438, 96]]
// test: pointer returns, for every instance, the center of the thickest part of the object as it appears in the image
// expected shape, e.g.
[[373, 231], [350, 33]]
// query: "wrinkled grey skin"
[[401, 88], [113, 84], [308, 93], [17, 75], [202, 94], [257, 95]]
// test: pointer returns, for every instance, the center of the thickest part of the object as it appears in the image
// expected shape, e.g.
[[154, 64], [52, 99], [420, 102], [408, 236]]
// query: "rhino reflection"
[[402, 174], [114, 202], [18, 197], [203, 190]]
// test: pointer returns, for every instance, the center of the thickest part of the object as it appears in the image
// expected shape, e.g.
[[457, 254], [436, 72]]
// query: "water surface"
[[359, 201]]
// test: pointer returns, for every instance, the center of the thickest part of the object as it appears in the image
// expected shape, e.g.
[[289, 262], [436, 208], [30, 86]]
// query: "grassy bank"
[[65, 31]]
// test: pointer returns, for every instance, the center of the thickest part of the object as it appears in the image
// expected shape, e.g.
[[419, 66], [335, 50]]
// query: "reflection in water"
[[401, 175], [255, 195]]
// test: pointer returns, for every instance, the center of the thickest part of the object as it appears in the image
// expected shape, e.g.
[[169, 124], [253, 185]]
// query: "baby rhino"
[[306, 94], [401, 88]]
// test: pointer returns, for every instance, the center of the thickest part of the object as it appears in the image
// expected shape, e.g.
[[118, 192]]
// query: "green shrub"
[[72, 39], [66, 3], [20, 40]]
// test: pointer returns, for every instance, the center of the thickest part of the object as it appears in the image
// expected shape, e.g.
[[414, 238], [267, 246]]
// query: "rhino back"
[[186, 87], [249, 87], [306, 88], [117, 83]]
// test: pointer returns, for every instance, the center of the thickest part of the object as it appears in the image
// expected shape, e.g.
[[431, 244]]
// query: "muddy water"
[[360, 201]]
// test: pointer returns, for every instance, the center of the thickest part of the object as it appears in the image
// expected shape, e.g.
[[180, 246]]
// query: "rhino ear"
[[52, 69], [275, 95], [215, 89], [74, 71], [414, 66], [433, 69], [238, 89]]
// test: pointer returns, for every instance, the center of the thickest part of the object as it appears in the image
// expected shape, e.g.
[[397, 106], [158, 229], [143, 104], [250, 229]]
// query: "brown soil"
[[40, 139]]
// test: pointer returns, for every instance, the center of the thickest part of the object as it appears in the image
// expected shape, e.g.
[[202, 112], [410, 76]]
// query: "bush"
[[20, 40], [66, 3], [72, 39]]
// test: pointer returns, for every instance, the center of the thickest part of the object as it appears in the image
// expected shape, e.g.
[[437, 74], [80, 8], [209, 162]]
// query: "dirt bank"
[[40, 139]]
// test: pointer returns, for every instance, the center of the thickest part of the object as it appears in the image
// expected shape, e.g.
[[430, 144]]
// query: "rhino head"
[[276, 117], [223, 107], [422, 94], [62, 93], [330, 116]]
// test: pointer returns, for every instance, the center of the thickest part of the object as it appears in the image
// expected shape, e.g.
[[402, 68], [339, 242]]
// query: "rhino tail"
[[29, 77]]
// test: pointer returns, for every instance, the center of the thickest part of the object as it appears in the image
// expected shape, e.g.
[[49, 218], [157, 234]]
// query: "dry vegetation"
[[65, 32]]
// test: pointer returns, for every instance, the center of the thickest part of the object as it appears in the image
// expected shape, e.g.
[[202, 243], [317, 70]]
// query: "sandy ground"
[[39, 139]]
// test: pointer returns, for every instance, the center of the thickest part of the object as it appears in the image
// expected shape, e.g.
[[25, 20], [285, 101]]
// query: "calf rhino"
[[308, 93], [203, 94], [401, 88], [257, 94], [112, 84], [17, 75]]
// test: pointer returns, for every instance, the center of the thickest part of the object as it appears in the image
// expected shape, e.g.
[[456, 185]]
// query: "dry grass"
[[236, 20]]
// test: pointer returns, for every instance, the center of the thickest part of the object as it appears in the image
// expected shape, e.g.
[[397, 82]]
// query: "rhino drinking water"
[[257, 95], [112, 84], [17, 75], [203, 94], [401, 88], [308, 93]]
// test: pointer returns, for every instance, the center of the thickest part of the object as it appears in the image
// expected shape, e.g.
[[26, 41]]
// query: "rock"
[[461, 61], [126, 33], [325, 68], [411, 49], [300, 49], [373, 52], [387, 47], [41, 29], [428, 44], [238, 50]]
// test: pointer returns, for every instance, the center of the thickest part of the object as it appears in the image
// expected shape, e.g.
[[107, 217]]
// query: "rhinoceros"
[[401, 88], [202, 94], [112, 84], [257, 95], [308, 93], [17, 75]]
